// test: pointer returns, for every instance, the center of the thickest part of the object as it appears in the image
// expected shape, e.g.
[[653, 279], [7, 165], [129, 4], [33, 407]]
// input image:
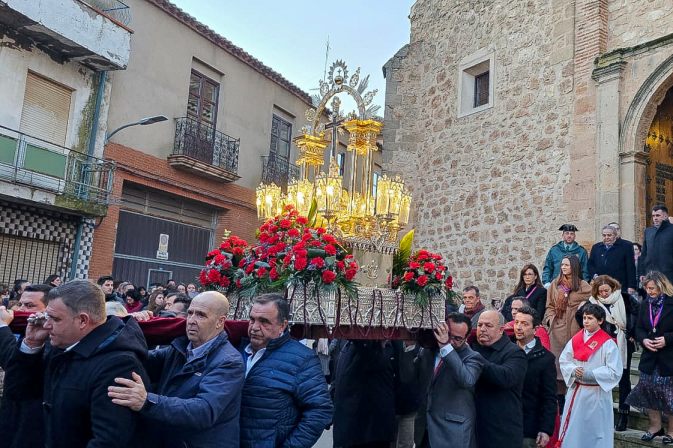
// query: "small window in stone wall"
[[481, 89], [475, 84]]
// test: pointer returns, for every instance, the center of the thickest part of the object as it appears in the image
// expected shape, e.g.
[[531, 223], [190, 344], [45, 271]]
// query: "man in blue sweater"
[[285, 399]]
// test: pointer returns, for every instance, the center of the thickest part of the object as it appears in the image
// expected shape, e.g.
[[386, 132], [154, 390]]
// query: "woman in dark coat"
[[531, 288], [364, 395], [654, 331]]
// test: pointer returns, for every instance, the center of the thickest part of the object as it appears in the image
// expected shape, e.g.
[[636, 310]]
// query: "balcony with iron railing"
[[114, 9], [205, 151], [67, 179], [279, 170], [92, 32]]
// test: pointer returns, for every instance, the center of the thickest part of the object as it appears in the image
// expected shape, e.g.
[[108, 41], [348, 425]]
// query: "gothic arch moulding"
[[633, 158], [643, 108]]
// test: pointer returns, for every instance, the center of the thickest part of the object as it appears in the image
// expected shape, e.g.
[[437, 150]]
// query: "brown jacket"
[[563, 328]]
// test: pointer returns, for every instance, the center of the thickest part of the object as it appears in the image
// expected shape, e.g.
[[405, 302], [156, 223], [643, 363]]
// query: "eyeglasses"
[[608, 235], [457, 339]]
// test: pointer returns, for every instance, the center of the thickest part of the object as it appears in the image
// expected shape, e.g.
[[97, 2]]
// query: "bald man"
[[199, 379], [498, 390]]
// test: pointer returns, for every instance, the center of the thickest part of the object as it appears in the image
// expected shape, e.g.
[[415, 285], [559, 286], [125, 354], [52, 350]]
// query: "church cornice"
[[619, 54]]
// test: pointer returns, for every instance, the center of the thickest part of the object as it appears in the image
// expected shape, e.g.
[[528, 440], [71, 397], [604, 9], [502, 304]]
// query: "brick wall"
[[236, 204]]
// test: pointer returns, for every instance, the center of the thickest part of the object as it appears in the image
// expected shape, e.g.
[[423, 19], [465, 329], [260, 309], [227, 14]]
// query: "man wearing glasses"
[[498, 391], [453, 372]]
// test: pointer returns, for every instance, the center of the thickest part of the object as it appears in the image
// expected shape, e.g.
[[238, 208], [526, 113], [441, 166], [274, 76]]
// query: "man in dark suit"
[[452, 373], [614, 259], [539, 393], [498, 391], [657, 244]]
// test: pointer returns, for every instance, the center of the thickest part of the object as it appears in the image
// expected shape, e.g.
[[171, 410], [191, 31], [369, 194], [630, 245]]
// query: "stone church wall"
[[632, 22], [490, 189]]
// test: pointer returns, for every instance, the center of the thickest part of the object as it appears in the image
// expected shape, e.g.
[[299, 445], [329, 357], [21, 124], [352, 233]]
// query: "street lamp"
[[141, 122]]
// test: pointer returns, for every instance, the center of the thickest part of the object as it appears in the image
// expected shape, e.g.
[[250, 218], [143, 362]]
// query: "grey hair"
[[609, 227], [524, 301], [501, 318], [81, 296]]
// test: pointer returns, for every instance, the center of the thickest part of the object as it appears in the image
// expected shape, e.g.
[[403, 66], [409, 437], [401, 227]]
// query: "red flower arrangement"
[[425, 275], [289, 252], [223, 265], [319, 258]]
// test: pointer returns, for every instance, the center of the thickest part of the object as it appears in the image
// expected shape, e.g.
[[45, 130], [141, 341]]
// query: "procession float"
[[330, 240]]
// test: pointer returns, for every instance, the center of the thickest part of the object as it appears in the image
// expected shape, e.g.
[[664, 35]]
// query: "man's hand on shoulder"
[[131, 394], [142, 316]]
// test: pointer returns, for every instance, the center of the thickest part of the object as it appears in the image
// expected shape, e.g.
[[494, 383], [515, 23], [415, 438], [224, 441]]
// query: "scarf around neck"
[[656, 302], [611, 299], [480, 306]]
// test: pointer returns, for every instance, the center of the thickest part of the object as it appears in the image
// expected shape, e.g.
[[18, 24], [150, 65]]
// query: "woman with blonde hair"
[[564, 295], [654, 331]]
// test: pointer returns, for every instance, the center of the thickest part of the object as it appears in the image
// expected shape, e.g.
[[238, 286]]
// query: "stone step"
[[637, 420], [631, 439]]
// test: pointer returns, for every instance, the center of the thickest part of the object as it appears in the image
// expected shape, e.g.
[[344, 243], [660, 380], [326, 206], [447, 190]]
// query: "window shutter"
[[46, 108]]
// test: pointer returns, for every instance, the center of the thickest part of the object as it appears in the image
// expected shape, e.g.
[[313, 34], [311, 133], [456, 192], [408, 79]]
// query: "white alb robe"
[[591, 418]]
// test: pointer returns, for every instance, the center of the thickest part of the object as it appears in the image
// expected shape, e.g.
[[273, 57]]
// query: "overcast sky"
[[290, 37]]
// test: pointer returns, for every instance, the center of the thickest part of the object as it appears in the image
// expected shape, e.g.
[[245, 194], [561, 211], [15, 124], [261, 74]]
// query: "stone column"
[[608, 80], [632, 173]]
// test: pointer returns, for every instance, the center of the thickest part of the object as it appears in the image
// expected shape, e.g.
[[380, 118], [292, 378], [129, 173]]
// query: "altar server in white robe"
[[591, 366]]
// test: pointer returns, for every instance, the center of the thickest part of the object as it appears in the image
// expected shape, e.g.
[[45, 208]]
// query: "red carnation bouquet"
[[319, 258], [223, 265], [424, 276], [292, 252]]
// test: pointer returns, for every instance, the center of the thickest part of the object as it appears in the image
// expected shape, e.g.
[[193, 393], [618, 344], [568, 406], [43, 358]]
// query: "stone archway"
[[633, 155]]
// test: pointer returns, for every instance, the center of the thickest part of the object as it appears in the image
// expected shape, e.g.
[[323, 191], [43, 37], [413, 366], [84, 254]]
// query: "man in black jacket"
[[21, 422], [498, 391], [614, 257], [85, 354], [539, 390], [656, 254]]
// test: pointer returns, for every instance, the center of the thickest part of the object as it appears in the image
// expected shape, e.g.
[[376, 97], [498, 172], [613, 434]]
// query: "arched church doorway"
[[659, 148]]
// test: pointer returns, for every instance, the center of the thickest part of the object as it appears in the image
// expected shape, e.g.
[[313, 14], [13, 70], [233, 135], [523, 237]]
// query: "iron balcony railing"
[[114, 9], [37, 163], [203, 143], [278, 169]]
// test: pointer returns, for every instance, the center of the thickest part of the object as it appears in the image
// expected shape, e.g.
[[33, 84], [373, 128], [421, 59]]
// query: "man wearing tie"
[[453, 372]]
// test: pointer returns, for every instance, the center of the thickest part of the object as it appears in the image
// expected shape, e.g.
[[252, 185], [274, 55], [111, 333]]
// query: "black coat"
[[77, 410], [662, 358], [364, 396], [617, 262], [657, 252], [498, 395], [21, 421], [408, 395], [539, 393], [538, 300]]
